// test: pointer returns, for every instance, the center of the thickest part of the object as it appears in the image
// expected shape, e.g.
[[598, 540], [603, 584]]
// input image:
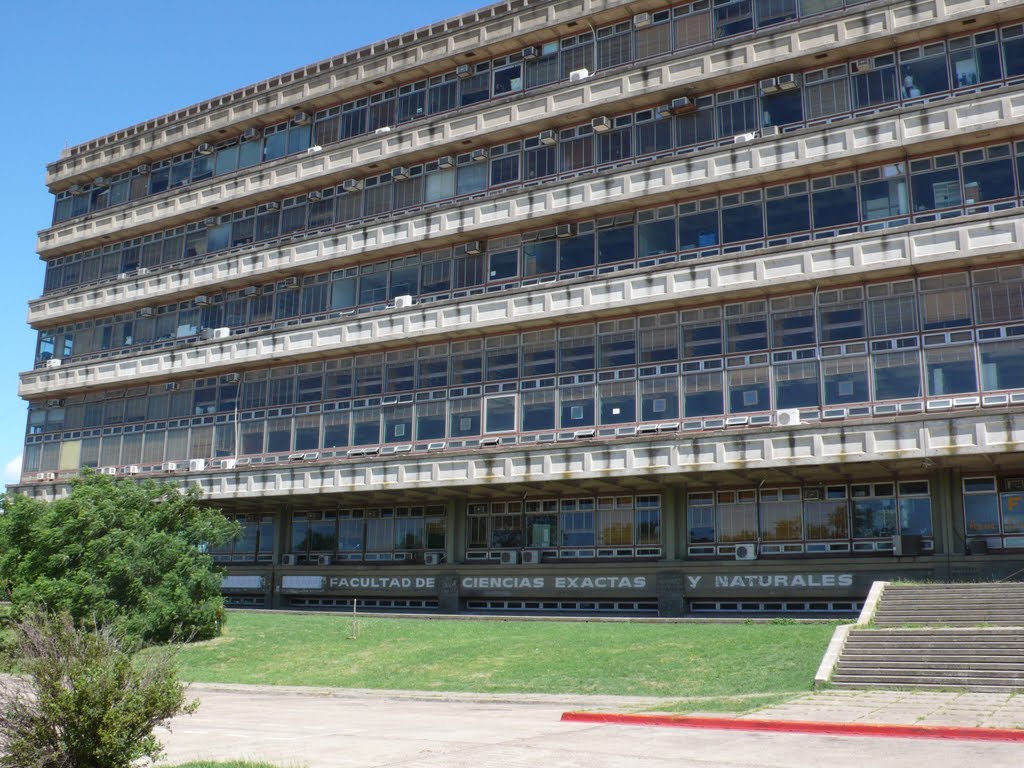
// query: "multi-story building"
[[568, 306]]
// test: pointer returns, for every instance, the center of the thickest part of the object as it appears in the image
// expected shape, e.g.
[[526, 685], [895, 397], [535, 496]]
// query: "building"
[[577, 306]]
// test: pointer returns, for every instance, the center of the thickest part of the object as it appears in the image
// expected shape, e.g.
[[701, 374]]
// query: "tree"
[[119, 553], [87, 699]]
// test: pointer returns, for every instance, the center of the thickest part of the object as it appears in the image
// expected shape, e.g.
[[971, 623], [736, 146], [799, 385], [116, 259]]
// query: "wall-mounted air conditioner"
[[399, 173], [301, 118], [509, 557], [565, 230], [787, 417], [351, 185], [108, 470], [478, 155], [770, 130], [641, 20], [204, 149], [788, 82], [860, 66], [315, 196], [202, 301], [196, 465], [403, 302], [445, 162], [547, 138], [289, 559], [432, 558], [221, 333], [746, 552], [530, 53], [169, 466], [132, 470], [463, 71], [768, 86], [474, 248], [46, 477], [142, 170], [742, 138], [102, 182], [578, 75], [323, 560], [53, 362], [250, 134], [601, 124], [531, 557]]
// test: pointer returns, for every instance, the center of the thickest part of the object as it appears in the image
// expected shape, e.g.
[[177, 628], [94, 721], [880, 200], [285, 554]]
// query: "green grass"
[[616, 658], [733, 705]]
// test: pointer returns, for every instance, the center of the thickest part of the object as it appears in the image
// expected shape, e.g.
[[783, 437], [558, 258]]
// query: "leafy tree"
[[87, 700], [115, 552]]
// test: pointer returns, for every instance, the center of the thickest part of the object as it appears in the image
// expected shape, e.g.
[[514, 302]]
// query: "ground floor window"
[[255, 544], [606, 526], [825, 518], [373, 533], [994, 511]]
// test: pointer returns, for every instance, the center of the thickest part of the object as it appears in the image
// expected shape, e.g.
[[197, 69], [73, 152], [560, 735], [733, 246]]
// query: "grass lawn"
[[670, 660]]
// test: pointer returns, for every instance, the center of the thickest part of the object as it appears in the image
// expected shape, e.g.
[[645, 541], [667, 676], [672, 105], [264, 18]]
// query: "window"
[[897, 375], [826, 92], [834, 200], [874, 510], [950, 370], [576, 252], [915, 508], [945, 302], [618, 402], [747, 326], [742, 216], [999, 294], [733, 17], [874, 82], [537, 410], [702, 394], [613, 45], [736, 111], [923, 70], [988, 174], [796, 385], [748, 390], [981, 506], [781, 515], [691, 24], [846, 380], [577, 406], [935, 183], [737, 516], [792, 321], [700, 513], [698, 225], [787, 209], [659, 399]]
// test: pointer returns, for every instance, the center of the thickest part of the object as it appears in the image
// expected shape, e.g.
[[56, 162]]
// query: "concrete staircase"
[[942, 636]]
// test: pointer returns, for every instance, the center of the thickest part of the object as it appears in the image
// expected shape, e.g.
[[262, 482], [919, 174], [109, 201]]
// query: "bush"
[[87, 700], [119, 553]]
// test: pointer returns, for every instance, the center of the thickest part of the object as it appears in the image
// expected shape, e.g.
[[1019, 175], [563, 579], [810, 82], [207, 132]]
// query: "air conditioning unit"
[[474, 247], [742, 138], [108, 470], [530, 53], [770, 130], [221, 333], [509, 557], [315, 196], [601, 124], [787, 417], [250, 134], [300, 118], [813, 493], [547, 138], [531, 557], [231, 378], [1012, 484], [746, 552], [323, 560], [46, 477], [132, 470], [861, 66], [228, 463], [142, 271], [788, 82], [210, 221], [142, 170], [768, 86], [403, 302], [351, 185], [145, 312], [290, 282], [478, 155], [202, 301], [682, 105], [289, 559], [76, 189], [565, 230], [641, 20], [196, 465], [578, 75], [53, 362], [171, 386], [463, 71], [400, 173], [59, 403], [273, 205], [204, 149], [102, 182], [169, 466], [250, 291], [432, 558], [382, 130], [446, 162]]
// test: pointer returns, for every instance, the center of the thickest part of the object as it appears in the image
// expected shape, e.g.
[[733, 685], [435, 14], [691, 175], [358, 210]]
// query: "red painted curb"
[[799, 726]]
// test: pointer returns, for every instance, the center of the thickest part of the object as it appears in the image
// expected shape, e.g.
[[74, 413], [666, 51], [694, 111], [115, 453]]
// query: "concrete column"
[[673, 504], [282, 531], [948, 512], [455, 541], [670, 594], [448, 593]]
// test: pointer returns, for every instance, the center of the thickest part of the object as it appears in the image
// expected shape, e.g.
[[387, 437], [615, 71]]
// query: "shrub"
[[120, 553], [87, 700]]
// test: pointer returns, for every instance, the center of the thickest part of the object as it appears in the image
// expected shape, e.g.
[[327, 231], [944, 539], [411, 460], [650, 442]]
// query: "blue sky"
[[77, 70]]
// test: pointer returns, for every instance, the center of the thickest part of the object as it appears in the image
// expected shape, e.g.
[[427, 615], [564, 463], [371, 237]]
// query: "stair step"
[[937, 684], [936, 667]]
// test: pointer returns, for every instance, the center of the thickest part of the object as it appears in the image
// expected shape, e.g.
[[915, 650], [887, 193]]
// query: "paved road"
[[359, 729]]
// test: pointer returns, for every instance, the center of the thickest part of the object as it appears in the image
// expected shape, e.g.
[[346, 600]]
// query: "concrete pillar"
[[670, 594], [282, 531], [948, 512], [448, 593], [455, 541]]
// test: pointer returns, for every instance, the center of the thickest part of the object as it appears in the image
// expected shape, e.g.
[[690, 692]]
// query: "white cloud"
[[12, 471]]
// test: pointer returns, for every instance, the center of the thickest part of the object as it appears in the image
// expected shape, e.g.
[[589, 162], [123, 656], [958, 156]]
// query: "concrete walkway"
[[972, 710], [327, 728]]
